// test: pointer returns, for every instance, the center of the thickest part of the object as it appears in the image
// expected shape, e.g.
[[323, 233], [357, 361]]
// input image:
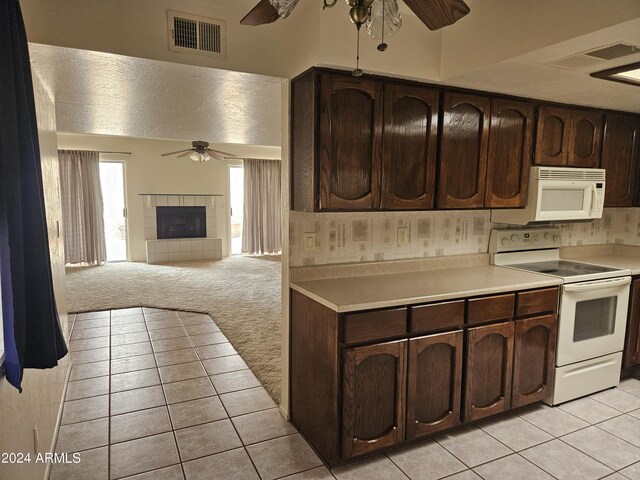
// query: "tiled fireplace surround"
[[180, 249]]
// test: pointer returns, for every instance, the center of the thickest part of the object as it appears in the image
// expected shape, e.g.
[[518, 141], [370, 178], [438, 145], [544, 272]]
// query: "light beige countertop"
[[394, 289]]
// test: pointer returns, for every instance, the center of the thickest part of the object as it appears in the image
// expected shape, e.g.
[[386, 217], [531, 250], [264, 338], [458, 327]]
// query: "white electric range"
[[592, 313]]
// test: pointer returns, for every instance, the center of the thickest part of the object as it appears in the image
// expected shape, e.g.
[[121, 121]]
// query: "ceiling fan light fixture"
[[195, 156], [385, 19]]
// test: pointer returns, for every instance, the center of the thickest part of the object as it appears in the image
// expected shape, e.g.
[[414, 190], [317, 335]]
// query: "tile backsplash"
[[377, 236]]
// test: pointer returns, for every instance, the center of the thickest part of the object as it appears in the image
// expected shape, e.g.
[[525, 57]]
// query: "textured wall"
[[37, 408], [366, 237]]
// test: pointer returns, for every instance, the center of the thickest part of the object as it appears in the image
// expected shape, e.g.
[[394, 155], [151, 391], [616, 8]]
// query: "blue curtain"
[[32, 334]]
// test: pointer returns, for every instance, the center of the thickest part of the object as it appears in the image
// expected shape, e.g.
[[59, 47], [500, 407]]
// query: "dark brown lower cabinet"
[[533, 359], [434, 385], [632, 346], [489, 369], [365, 381], [373, 397]]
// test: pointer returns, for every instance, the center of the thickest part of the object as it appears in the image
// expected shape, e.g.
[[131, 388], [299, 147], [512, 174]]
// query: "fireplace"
[[181, 222]]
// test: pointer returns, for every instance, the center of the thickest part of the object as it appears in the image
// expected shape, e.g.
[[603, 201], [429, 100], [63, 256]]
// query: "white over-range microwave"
[[558, 194]]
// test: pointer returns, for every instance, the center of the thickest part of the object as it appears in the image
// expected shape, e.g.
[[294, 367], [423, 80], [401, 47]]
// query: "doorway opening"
[[113, 198], [236, 204]]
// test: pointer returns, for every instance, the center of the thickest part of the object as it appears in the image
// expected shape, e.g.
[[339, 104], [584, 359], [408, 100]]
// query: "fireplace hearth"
[[181, 222]]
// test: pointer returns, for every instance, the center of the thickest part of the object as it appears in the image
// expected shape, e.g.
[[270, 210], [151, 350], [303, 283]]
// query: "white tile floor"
[[162, 395]]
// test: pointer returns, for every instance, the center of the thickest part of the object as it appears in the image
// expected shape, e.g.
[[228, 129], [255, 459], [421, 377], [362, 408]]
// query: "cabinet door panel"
[[434, 383], [374, 382], [632, 346], [510, 139], [585, 138], [533, 359], [552, 139], [409, 147], [489, 369], [463, 151], [620, 158], [350, 141]]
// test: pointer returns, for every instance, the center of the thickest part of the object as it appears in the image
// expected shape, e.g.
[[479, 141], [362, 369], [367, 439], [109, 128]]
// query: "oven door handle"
[[597, 285]]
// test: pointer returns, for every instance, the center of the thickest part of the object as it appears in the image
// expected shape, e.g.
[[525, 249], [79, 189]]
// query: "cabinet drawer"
[[378, 325], [537, 301], [437, 316], [497, 307]]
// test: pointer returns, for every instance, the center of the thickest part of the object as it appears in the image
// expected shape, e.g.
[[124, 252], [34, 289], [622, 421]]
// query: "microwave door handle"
[[586, 287]]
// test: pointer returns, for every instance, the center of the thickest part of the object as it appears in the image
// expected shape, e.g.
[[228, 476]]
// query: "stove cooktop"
[[565, 268]]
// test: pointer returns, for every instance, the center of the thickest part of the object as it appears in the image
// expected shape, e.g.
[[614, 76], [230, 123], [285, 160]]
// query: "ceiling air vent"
[[596, 58], [193, 34], [612, 52]]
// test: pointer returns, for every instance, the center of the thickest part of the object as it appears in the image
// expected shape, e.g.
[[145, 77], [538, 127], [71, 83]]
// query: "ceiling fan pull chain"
[[383, 46], [357, 72]]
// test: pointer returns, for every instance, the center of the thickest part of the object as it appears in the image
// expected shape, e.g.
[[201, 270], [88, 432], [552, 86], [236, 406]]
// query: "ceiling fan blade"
[[211, 151], [216, 155], [188, 152], [261, 14], [173, 153], [436, 14]]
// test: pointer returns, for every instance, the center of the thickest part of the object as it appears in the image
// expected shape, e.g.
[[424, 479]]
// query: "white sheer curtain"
[[82, 208], [262, 224]]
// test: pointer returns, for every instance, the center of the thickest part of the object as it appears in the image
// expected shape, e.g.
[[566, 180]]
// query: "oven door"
[[565, 200], [593, 319]]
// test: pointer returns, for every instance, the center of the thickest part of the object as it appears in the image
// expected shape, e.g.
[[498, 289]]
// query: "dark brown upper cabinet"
[[362, 144], [568, 137], [463, 151], [373, 143], [350, 143], [409, 142], [373, 397], [510, 150], [552, 141], [620, 158], [584, 139]]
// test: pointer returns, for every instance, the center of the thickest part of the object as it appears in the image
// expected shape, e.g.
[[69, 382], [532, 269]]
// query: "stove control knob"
[[547, 236], [505, 241], [514, 237], [556, 238]]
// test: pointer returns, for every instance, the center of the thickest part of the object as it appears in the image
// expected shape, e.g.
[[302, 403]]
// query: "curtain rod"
[[114, 153]]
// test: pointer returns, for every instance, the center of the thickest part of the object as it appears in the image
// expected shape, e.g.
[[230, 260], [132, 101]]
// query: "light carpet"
[[241, 294]]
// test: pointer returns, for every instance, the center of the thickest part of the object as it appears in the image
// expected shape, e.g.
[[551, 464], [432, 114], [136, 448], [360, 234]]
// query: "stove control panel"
[[522, 239]]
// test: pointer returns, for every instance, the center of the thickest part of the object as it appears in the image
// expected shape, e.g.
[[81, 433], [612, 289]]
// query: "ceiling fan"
[[381, 17], [200, 152], [435, 14]]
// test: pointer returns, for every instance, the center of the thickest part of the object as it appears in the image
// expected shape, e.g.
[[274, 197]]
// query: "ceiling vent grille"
[[193, 34], [596, 58], [612, 52]]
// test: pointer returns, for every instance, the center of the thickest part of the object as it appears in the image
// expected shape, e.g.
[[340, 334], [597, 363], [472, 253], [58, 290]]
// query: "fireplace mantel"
[[180, 249]]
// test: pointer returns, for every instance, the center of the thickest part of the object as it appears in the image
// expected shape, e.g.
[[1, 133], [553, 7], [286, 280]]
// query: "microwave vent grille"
[[571, 174]]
